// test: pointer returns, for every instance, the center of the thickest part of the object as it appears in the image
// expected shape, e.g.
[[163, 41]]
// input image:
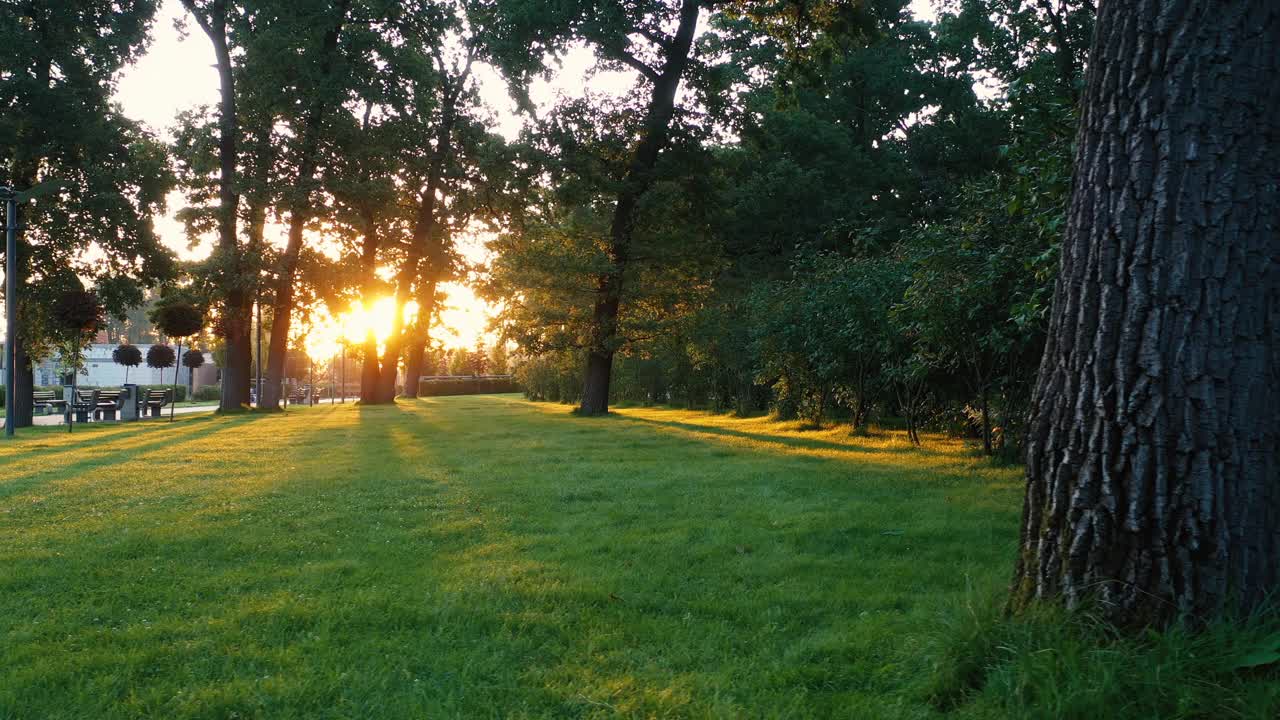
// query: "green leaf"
[[1266, 654]]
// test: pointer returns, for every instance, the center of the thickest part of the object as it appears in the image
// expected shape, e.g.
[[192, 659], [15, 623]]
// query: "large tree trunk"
[[23, 386], [638, 179], [419, 337], [426, 250], [1153, 480], [282, 306], [369, 290], [300, 212]]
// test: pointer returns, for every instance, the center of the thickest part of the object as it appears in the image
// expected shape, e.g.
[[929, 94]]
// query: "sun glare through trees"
[[896, 359]]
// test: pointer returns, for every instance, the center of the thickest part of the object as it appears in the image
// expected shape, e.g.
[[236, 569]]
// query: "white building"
[[101, 371]]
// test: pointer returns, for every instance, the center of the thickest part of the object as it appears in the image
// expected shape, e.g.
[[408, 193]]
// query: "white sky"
[[177, 74]]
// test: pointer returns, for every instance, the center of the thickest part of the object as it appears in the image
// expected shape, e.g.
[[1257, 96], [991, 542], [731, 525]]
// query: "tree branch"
[[657, 38], [190, 5], [628, 59]]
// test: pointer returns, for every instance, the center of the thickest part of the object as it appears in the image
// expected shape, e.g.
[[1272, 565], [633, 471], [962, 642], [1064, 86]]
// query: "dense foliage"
[[76, 313], [160, 356], [178, 319], [192, 359], [858, 234], [97, 178], [127, 355]]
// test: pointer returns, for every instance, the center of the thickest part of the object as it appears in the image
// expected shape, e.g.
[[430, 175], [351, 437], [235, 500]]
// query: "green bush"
[[181, 390], [208, 392]]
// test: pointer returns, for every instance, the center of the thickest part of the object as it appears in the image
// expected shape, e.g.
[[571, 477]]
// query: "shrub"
[[465, 386], [77, 312], [208, 392], [178, 319]]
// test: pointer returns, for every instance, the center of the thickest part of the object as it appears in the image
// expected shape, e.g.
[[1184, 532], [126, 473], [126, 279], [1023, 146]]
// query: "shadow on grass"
[[404, 558], [109, 453]]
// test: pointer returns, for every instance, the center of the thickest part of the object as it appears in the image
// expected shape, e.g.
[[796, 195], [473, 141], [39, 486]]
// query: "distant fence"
[[434, 385]]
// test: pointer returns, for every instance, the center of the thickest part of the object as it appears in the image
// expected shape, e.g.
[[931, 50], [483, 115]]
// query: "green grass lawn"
[[486, 557]]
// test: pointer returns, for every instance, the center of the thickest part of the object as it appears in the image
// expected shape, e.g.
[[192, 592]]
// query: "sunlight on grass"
[[479, 556]]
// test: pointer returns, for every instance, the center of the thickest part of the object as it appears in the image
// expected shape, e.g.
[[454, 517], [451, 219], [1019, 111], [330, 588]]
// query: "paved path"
[[56, 419]]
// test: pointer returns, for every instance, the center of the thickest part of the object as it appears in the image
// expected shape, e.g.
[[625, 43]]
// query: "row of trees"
[[352, 126], [854, 231], [802, 204], [356, 122], [838, 220]]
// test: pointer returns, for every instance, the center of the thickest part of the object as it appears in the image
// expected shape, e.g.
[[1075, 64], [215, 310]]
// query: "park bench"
[[47, 400], [296, 395], [154, 400], [109, 403], [84, 405]]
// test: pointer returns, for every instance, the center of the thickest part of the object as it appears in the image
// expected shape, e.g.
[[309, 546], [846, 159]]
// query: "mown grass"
[[485, 557]]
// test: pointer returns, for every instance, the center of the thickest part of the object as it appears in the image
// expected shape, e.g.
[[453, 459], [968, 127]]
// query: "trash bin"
[[129, 411]]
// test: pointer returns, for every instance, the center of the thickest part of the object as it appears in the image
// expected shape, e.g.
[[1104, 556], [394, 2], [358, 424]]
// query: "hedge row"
[[466, 386]]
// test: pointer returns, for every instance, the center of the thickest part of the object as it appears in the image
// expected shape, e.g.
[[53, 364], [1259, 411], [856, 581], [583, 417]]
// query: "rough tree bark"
[[1153, 480], [638, 179], [25, 172]]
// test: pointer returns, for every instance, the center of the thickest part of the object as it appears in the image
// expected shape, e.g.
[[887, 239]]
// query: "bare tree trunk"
[[638, 179], [986, 422], [369, 291], [282, 307], [419, 337], [23, 386], [1152, 459]]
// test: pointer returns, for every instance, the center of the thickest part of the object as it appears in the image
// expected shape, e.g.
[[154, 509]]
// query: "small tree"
[[178, 319], [192, 360], [478, 361], [127, 355], [160, 356], [459, 362], [498, 359], [77, 315]]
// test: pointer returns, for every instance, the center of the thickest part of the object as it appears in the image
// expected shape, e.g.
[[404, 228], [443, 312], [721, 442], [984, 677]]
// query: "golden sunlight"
[[464, 318], [326, 333]]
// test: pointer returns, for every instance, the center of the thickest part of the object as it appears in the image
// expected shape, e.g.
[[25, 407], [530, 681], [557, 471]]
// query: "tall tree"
[[439, 108], [233, 282], [1154, 444], [672, 53], [57, 122], [320, 81]]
